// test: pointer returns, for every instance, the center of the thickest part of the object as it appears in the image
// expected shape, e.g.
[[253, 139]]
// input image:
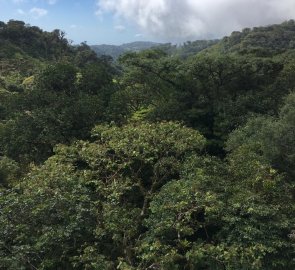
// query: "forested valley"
[[166, 159]]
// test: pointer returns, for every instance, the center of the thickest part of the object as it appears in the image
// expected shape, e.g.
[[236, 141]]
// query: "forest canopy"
[[169, 158]]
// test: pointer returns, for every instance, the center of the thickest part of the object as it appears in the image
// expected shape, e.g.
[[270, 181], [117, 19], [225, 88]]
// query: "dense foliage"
[[172, 158]]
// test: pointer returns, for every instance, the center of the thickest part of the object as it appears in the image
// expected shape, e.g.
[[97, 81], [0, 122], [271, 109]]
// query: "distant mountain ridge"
[[264, 41], [116, 50], [184, 50]]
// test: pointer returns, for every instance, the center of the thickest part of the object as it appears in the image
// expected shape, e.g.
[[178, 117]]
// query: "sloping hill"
[[260, 41], [25, 49], [184, 50], [116, 50]]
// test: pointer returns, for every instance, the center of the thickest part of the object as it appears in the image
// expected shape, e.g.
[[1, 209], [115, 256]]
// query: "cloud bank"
[[120, 28], [178, 20], [38, 12]]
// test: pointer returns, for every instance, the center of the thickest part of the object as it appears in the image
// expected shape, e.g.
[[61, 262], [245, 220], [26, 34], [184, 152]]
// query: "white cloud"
[[99, 14], [138, 35], [51, 2], [120, 28], [18, 1], [76, 27], [20, 11], [38, 12], [178, 20]]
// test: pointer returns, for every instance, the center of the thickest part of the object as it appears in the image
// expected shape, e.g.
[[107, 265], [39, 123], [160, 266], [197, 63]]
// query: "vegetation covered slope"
[[184, 50], [261, 41], [116, 50], [160, 162]]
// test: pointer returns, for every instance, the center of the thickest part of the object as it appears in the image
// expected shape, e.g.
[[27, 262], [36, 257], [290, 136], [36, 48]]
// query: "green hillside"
[[261, 41], [184, 50], [116, 50]]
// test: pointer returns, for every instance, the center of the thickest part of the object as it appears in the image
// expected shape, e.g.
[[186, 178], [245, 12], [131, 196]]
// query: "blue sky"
[[121, 21], [79, 19]]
